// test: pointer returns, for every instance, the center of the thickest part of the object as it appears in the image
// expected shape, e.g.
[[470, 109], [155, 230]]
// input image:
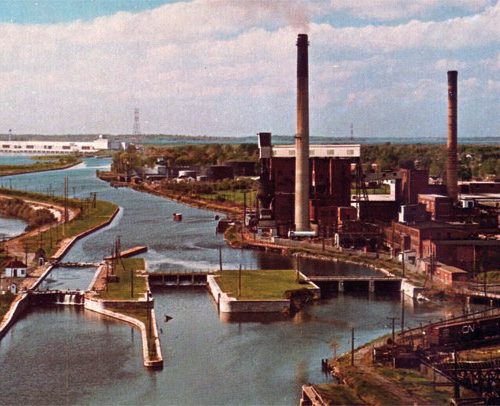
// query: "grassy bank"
[[259, 285], [5, 302], [126, 271], [40, 197], [88, 218], [55, 162]]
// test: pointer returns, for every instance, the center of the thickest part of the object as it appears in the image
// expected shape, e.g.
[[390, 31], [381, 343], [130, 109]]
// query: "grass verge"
[[126, 270], [259, 285], [87, 219], [5, 302], [337, 394], [45, 164]]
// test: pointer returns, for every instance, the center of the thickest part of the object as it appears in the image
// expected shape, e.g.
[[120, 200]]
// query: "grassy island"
[[261, 284], [125, 270], [40, 164]]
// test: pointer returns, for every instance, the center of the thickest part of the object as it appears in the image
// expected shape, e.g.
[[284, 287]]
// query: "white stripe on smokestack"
[[451, 164], [302, 138]]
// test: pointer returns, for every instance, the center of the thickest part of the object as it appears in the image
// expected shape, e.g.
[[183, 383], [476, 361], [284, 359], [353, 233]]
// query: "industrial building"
[[447, 230], [329, 179], [302, 187], [53, 147]]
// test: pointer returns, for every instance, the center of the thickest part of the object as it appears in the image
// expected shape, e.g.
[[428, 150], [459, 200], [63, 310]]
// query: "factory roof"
[[320, 151]]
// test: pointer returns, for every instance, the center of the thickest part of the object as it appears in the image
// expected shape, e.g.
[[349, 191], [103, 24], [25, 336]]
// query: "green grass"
[[236, 196], [53, 162], [417, 384], [89, 218], [40, 197], [122, 290], [5, 301], [337, 394], [368, 390], [259, 285]]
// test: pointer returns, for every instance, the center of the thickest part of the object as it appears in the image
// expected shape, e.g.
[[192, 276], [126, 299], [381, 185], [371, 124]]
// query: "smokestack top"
[[302, 57], [302, 40]]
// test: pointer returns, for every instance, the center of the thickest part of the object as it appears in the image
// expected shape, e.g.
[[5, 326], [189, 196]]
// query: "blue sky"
[[225, 67], [61, 11]]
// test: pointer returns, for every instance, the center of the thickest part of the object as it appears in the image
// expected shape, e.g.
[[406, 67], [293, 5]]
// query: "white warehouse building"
[[53, 147]]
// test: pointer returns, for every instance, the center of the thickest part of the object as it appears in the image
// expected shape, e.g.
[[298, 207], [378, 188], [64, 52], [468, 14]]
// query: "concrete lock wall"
[[227, 304], [98, 306]]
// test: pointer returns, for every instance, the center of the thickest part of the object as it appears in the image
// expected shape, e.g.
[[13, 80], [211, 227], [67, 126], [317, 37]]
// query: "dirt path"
[[15, 246]]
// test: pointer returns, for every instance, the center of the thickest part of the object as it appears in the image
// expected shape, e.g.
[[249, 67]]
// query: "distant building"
[[53, 147], [220, 172], [242, 168], [16, 269]]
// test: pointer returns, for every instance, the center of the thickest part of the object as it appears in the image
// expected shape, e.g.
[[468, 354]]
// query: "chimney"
[[302, 137], [451, 164]]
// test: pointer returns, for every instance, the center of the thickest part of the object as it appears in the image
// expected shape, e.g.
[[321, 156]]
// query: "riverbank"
[[80, 223], [200, 203], [11, 170], [123, 293]]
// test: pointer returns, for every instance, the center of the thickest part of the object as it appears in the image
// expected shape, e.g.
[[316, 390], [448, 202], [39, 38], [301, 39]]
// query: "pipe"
[[451, 164], [302, 137]]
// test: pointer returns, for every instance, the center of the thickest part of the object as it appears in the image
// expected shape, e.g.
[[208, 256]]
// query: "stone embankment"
[[37, 275], [117, 309]]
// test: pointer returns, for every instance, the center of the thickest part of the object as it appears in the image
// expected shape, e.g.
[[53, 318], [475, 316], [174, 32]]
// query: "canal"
[[63, 355]]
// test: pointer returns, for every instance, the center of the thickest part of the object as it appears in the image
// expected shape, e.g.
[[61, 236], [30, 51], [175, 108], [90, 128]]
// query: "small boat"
[[177, 216]]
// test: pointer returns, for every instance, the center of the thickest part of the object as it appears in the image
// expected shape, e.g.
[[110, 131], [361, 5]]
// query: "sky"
[[227, 68]]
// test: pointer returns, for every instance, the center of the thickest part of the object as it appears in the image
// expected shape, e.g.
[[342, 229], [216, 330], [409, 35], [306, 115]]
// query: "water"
[[11, 159], [10, 227], [73, 356]]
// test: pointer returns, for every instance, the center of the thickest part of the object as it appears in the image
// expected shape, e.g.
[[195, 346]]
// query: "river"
[[63, 355]]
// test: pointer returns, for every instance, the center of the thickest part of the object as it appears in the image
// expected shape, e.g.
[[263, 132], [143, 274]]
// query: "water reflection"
[[72, 356]]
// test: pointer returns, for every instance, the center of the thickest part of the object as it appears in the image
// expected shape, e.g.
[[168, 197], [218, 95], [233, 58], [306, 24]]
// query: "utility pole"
[[66, 214], [402, 311], [239, 282], [220, 258], [393, 327], [352, 346], [403, 259]]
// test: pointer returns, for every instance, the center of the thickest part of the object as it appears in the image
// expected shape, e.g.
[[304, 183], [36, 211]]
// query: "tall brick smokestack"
[[451, 164], [302, 137]]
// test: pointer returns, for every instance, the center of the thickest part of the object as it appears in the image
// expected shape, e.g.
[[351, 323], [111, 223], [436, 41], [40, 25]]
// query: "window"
[[5, 146], [30, 146], [66, 147], [85, 148]]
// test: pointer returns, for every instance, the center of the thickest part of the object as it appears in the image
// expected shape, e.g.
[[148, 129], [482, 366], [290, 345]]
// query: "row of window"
[[65, 147]]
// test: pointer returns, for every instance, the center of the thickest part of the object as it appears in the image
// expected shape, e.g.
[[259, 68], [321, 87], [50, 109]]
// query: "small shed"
[[16, 269], [13, 288], [40, 256]]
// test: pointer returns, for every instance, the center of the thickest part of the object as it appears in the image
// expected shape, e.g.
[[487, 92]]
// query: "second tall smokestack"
[[302, 137], [451, 164]]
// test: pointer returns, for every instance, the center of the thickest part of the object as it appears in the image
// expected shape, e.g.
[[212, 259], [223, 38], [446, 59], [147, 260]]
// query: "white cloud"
[[221, 67], [383, 10]]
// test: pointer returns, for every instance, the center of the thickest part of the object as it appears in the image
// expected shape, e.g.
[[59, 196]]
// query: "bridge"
[[63, 297], [77, 264], [357, 283], [481, 377], [178, 279]]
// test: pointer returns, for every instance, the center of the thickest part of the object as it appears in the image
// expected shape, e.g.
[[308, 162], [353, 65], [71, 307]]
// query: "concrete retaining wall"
[[227, 304], [410, 289], [99, 307], [18, 307], [60, 253]]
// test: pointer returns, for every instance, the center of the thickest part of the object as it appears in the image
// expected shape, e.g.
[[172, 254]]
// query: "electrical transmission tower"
[[137, 126]]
